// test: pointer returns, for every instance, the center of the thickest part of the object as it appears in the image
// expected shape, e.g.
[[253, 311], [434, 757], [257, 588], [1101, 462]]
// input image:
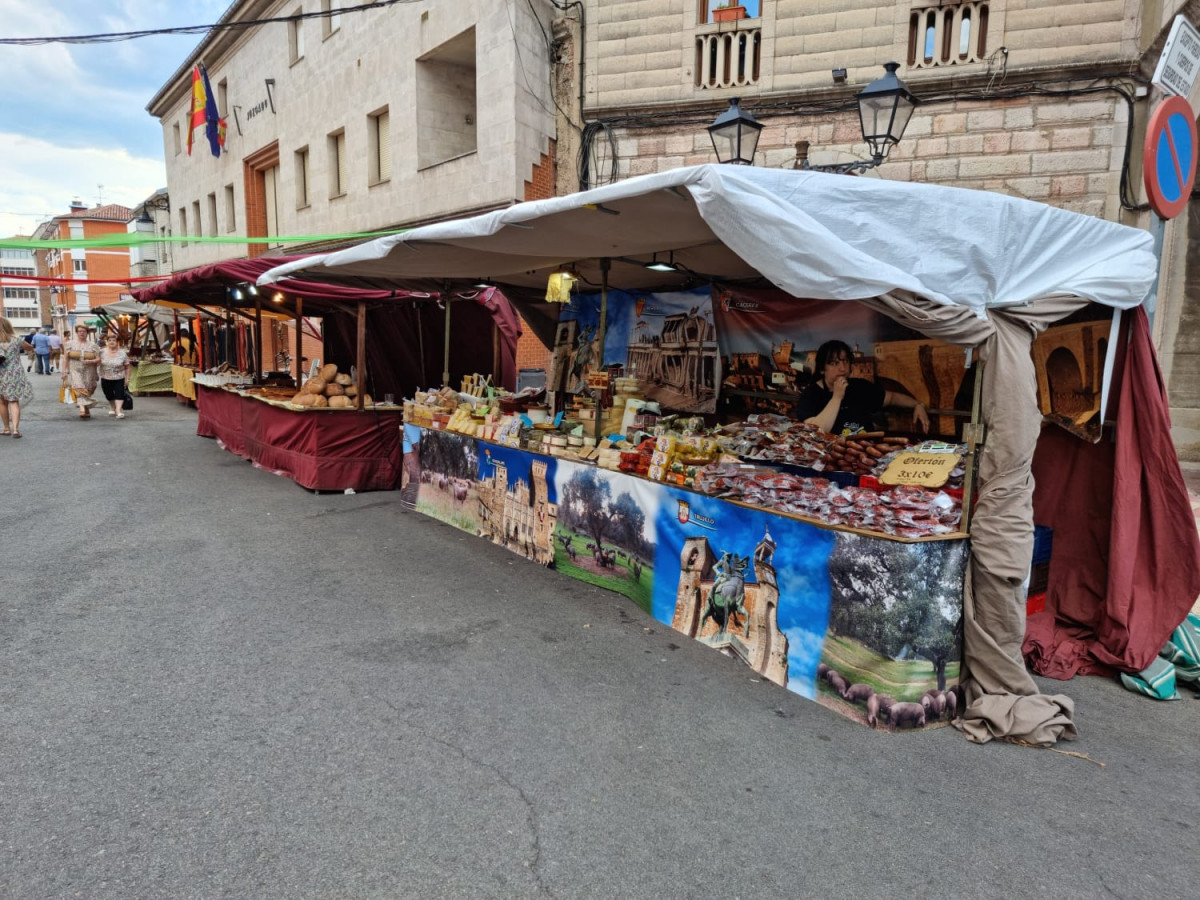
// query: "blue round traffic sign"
[[1169, 157]]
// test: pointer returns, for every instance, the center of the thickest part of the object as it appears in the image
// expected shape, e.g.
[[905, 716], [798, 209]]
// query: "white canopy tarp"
[[973, 268], [811, 234]]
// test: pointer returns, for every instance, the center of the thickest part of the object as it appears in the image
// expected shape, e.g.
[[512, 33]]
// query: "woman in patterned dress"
[[81, 371], [15, 388]]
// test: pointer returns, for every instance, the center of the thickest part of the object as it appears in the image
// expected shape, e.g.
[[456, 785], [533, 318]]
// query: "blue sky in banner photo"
[[73, 116], [801, 569]]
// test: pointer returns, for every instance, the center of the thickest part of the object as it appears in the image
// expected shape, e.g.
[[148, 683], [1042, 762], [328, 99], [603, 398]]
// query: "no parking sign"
[[1169, 157]]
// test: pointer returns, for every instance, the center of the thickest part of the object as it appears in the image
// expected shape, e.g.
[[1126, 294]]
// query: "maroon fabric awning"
[[405, 329]]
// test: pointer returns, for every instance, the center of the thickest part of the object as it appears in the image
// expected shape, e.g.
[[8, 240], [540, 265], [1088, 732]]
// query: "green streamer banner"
[[136, 239]]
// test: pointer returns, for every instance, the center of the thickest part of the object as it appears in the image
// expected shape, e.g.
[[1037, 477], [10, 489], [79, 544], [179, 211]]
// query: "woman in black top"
[[835, 401]]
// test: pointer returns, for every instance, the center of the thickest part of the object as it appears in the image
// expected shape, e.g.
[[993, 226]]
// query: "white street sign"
[[1180, 61]]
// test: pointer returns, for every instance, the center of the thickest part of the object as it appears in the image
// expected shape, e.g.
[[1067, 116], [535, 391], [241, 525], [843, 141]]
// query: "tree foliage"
[[896, 597]]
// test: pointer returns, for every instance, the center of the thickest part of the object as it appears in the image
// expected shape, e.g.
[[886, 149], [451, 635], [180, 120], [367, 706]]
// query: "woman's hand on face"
[[838, 388]]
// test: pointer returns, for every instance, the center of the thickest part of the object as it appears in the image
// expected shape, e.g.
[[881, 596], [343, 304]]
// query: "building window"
[[302, 178], [379, 137], [178, 139], [22, 312], [18, 270], [212, 215], [20, 293], [79, 266], [296, 38], [197, 229], [446, 109], [183, 226], [332, 20], [223, 97], [230, 209], [337, 163], [946, 35], [731, 10]]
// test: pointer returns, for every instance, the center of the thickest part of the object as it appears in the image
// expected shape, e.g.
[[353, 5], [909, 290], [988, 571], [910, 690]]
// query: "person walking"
[[15, 388], [56, 343], [41, 350], [82, 360], [114, 374]]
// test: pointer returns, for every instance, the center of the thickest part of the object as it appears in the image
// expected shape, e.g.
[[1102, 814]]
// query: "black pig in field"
[[856, 693], [885, 704], [911, 715], [822, 670], [873, 710], [837, 682], [960, 698], [951, 705]]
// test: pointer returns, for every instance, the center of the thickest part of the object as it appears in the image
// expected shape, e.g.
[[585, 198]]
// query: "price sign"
[[924, 469]]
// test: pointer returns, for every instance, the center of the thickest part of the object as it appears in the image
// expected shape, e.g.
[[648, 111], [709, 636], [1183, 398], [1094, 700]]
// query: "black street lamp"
[[884, 108], [734, 135]]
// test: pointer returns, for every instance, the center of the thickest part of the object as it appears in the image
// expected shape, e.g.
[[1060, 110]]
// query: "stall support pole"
[[446, 348], [601, 332], [258, 339], [299, 342], [361, 355]]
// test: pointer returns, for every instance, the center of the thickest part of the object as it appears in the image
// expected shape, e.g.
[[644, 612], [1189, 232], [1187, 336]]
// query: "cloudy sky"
[[73, 117]]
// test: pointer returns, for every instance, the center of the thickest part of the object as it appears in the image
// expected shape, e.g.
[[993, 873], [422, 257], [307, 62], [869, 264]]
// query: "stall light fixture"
[[252, 290], [559, 285], [236, 293], [655, 266], [734, 135], [277, 297]]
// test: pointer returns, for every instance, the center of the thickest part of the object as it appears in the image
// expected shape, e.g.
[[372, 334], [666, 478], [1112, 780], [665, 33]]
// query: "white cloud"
[[38, 179]]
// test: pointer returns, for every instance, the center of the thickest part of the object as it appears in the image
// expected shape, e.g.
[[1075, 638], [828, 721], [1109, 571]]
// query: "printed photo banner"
[[860, 624], [667, 342]]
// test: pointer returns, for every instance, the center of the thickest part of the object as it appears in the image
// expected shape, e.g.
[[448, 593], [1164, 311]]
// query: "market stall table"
[[151, 377], [319, 449]]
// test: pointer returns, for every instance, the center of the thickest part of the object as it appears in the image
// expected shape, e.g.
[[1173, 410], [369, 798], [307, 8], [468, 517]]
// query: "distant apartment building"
[[1042, 100], [20, 296], [100, 274], [358, 122]]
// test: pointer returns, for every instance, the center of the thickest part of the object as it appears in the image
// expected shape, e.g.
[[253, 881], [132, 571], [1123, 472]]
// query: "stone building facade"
[[1041, 99]]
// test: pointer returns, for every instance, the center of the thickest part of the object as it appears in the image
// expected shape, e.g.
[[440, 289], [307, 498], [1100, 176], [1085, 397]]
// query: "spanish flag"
[[204, 112]]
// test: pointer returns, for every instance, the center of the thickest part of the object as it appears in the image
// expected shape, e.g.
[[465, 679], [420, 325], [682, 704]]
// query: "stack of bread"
[[331, 389]]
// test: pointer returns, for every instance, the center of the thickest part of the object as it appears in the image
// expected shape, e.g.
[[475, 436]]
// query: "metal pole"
[[601, 332], [258, 339], [299, 341], [361, 354], [446, 349]]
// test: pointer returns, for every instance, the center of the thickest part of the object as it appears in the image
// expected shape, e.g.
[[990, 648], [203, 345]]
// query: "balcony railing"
[[727, 59]]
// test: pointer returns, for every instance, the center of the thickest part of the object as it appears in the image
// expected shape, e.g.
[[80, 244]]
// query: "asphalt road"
[[214, 683]]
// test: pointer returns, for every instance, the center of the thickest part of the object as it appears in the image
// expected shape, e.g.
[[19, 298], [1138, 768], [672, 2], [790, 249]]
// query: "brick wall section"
[[1065, 152], [531, 354]]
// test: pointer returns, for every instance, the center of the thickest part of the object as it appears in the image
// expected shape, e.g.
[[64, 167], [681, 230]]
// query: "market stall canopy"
[[811, 234], [405, 342], [973, 268], [150, 311]]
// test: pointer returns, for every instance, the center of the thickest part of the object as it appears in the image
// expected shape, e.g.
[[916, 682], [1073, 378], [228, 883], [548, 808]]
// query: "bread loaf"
[[351, 391], [343, 379], [328, 371], [333, 389], [340, 402], [319, 401], [315, 385], [304, 399]]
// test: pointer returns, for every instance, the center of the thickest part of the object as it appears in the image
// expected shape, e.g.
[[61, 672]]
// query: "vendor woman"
[[836, 402]]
